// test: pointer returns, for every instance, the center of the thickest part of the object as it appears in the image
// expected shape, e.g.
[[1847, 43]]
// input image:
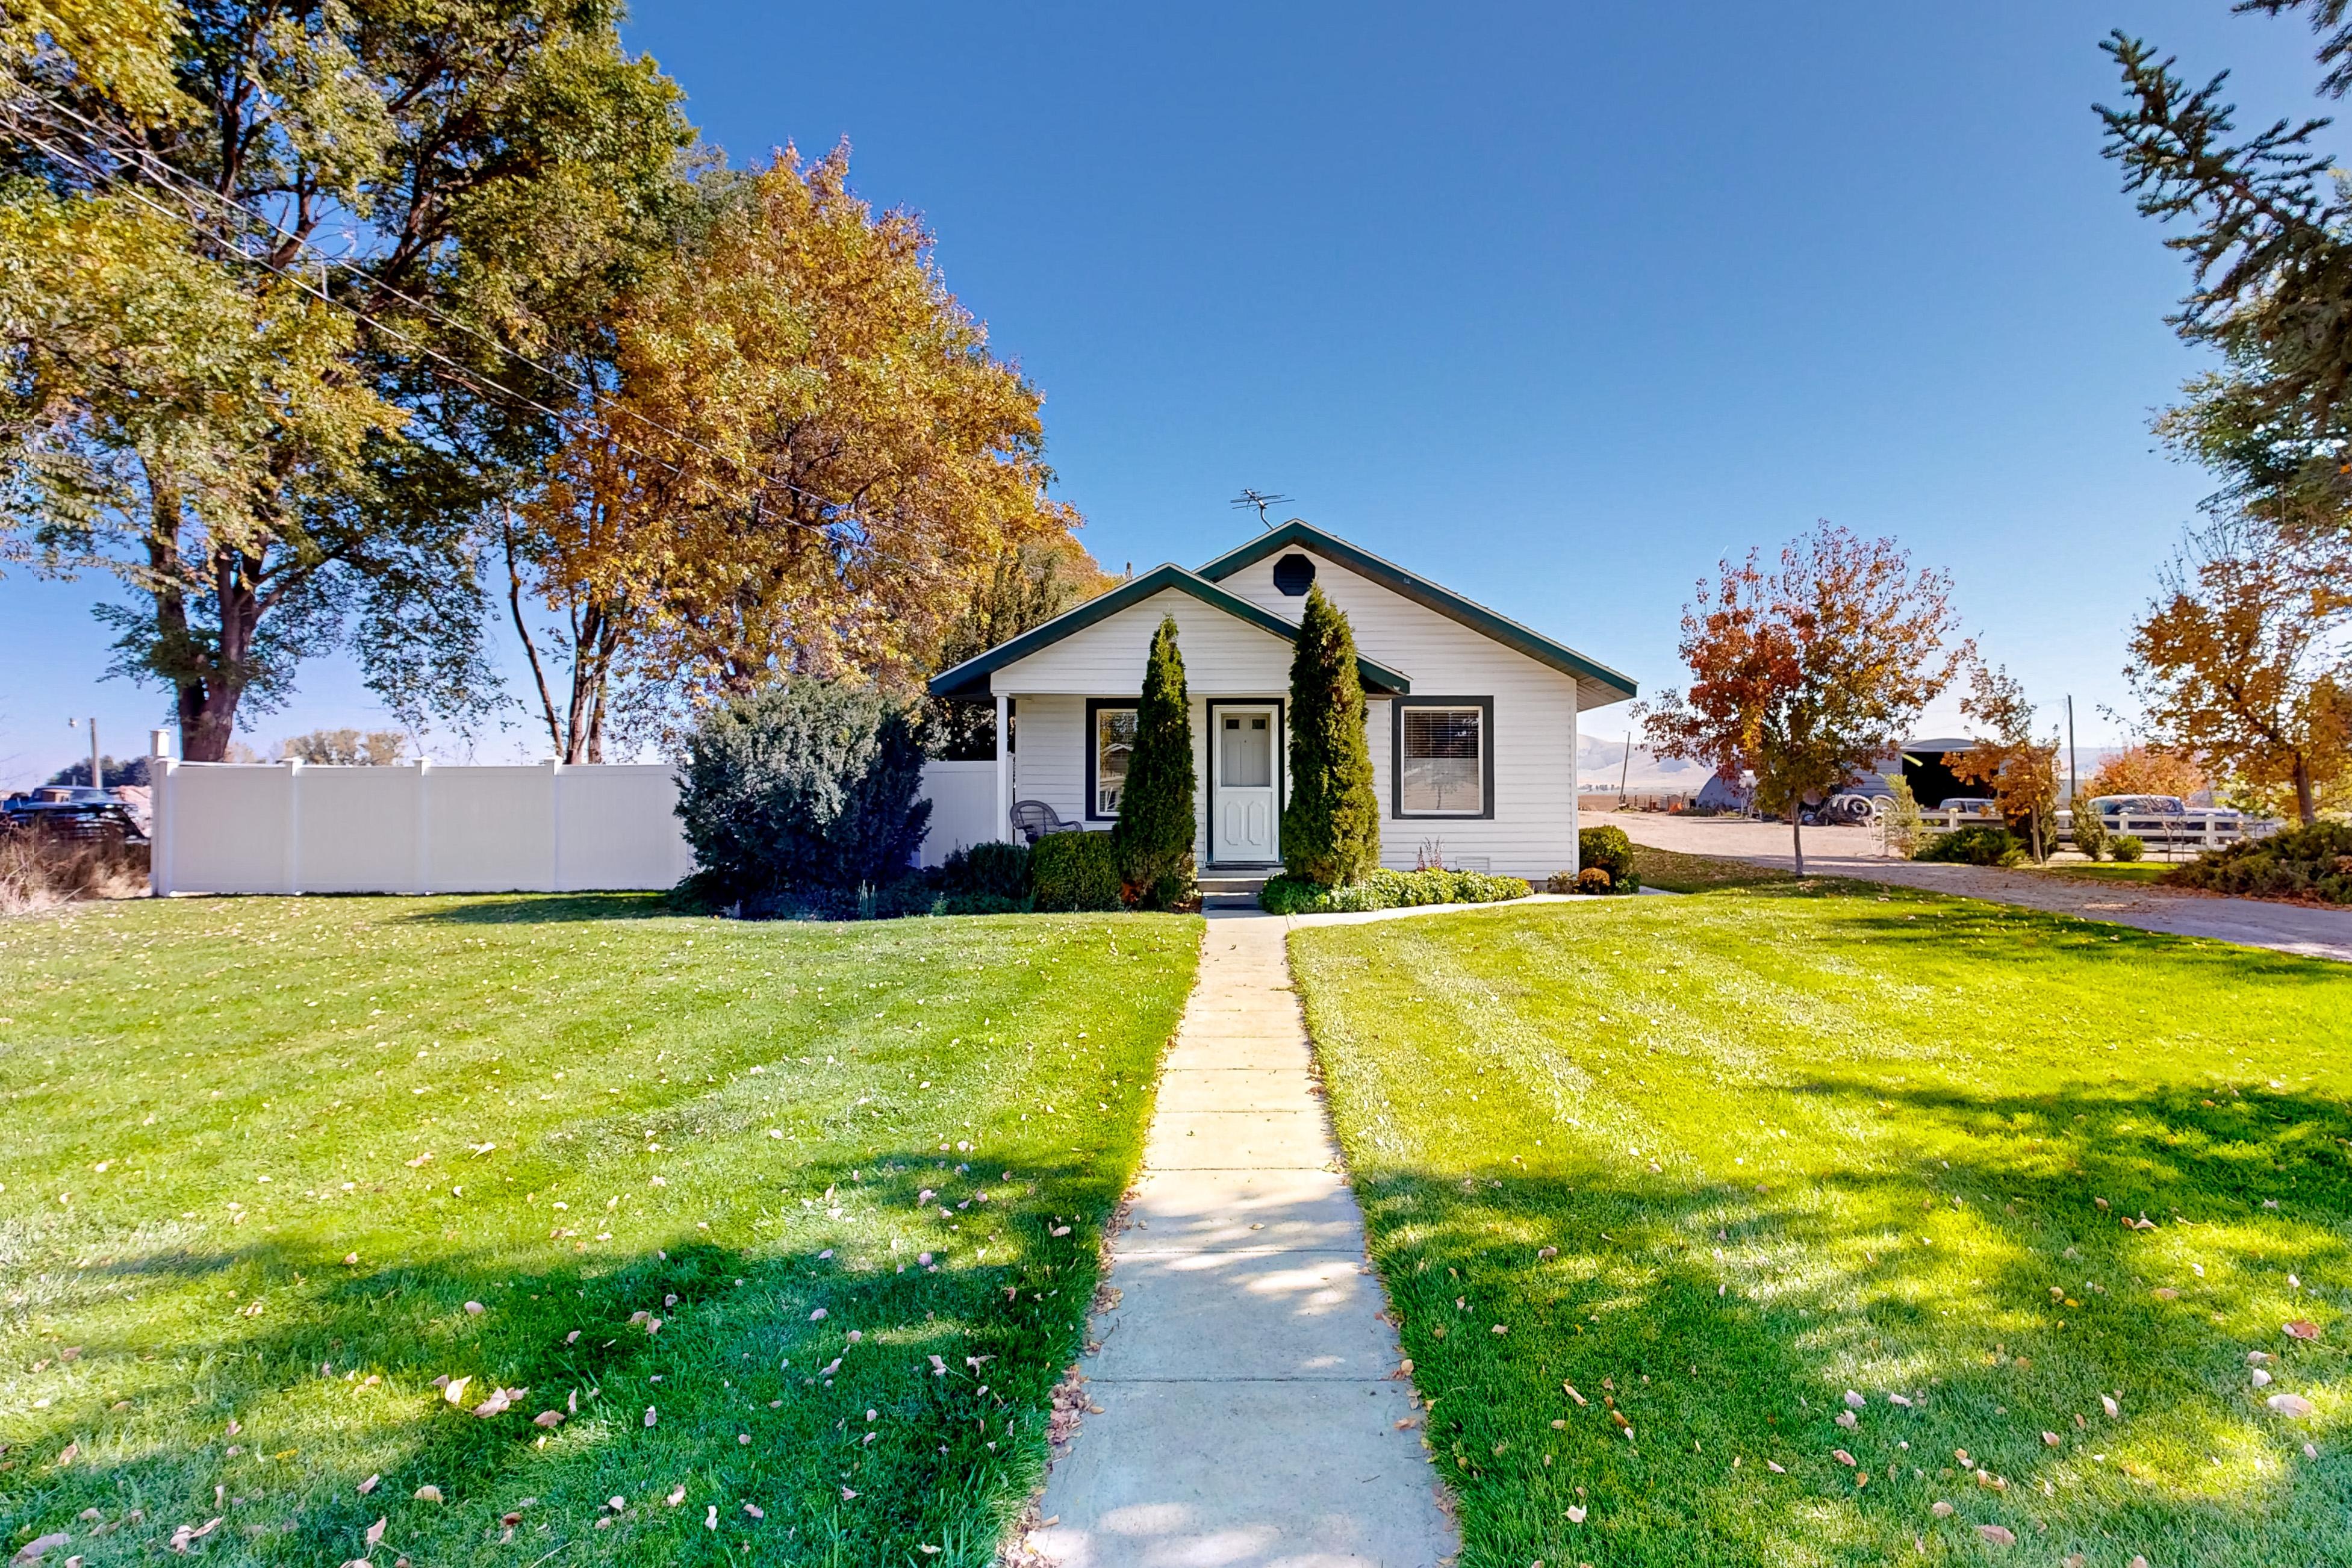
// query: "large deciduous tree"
[[2019, 767], [1331, 822], [806, 461], [2243, 664], [2144, 769], [267, 473], [1809, 674]]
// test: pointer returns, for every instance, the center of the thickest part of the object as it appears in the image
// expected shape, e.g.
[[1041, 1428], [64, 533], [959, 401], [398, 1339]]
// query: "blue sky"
[[1558, 304]]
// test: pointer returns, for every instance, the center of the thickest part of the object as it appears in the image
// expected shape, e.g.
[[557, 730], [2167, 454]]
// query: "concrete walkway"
[[1249, 1405]]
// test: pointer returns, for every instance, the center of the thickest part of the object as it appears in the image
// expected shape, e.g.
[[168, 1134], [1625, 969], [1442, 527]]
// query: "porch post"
[[1003, 766]]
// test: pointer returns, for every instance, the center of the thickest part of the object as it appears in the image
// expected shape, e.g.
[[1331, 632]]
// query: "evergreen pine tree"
[[1331, 827], [1153, 839]]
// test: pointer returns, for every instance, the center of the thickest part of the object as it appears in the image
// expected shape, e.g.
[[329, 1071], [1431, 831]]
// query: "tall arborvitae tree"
[[1154, 835], [1331, 825]]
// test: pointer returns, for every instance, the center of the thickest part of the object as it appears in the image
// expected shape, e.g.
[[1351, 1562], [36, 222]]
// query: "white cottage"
[[1472, 718]]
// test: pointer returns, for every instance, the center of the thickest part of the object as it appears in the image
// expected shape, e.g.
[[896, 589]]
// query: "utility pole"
[[97, 779], [2074, 774], [1625, 769]]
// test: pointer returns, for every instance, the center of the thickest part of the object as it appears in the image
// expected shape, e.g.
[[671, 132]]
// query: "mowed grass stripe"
[[1792, 1140], [209, 1105]]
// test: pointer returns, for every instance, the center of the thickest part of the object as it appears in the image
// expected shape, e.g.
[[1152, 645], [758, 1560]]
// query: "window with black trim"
[[1444, 757], [1114, 744]]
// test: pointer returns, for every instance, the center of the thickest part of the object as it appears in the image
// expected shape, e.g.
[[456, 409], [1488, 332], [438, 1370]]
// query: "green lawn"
[[797, 1219], [1789, 1142], [1680, 873]]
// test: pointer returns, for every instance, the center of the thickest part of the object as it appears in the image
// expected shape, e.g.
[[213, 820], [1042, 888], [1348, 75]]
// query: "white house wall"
[[1533, 831], [1223, 656]]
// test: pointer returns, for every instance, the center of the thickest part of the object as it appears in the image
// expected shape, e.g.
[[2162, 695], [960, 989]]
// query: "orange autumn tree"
[[2143, 770], [804, 461], [2242, 661], [1809, 674], [2021, 770]]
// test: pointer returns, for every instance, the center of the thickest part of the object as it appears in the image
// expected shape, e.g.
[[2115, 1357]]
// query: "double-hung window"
[[1445, 758], [1112, 745]]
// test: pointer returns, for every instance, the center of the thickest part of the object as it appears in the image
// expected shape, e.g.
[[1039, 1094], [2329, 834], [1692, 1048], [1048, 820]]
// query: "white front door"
[[1246, 820]]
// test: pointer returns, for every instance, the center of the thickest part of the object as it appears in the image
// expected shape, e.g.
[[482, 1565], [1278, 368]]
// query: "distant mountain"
[[1599, 759]]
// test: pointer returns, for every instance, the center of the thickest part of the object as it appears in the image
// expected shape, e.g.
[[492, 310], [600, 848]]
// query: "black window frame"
[[1094, 748], [1397, 706]]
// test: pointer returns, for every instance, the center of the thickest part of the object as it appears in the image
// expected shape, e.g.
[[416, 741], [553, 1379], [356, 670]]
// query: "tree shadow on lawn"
[[544, 908], [950, 1454], [1872, 1279]]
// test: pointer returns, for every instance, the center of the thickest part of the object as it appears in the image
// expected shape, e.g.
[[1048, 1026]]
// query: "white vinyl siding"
[[1531, 730], [1223, 656]]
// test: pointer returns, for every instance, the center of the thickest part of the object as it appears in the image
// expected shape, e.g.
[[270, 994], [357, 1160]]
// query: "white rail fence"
[[291, 827]]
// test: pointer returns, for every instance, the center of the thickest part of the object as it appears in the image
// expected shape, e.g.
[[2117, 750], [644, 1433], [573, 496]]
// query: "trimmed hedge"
[[1608, 849], [2313, 862], [1074, 871], [1385, 890], [1973, 846]]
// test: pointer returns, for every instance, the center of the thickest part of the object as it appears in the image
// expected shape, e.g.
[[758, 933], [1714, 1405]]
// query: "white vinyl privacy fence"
[[291, 827]]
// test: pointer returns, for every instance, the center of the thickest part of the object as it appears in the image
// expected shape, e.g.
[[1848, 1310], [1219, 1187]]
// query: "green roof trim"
[[970, 679], [1598, 684]]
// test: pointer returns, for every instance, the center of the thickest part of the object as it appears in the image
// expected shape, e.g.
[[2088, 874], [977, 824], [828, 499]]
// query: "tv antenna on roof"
[[1259, 501]]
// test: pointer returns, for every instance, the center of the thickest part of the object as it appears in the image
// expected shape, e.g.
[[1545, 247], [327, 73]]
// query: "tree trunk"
[[1797, 833], [2305, 805]]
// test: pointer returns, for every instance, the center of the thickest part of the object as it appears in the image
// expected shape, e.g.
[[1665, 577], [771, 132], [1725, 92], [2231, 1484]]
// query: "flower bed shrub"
[[2129, 847], [1603, 849], [2313, 862], [1074, 871], [797, 797], [1385, 890], [1975, 847], [990, 879]]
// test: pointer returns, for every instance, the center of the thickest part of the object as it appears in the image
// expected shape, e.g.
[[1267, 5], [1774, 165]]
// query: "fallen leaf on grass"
[[35, 1550], [2294, 1406], [549, 1418], [1855, 1401], [369, 1485], [1576, 1516], [429, 1494], [1841, 1457], [2050, 1439], [1846, 1419], [1775, 1469], [1942, 1510], [2303, 1329], [454, 1390], [1573, 1394], [1997, 1534], [375, 1533], [2107, 1404], [2261, 1378]]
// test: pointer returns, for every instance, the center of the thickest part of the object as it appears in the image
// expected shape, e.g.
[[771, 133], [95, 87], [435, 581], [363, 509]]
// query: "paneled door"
[[1248, 808]]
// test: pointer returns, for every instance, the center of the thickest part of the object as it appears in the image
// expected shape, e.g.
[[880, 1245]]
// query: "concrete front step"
[[1231, 889]]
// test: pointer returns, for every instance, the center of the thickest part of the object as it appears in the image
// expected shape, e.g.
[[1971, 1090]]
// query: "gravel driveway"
[[1854, 852]]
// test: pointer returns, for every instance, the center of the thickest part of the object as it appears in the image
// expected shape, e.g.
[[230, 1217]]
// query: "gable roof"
[[1597, 684], [970, 679]]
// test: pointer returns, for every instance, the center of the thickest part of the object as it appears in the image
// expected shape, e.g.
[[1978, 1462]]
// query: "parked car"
[[72, 811], [1975, 805]]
